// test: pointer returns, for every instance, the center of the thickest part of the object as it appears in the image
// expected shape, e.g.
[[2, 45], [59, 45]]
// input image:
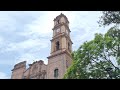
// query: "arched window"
[[58, 21], [57, 45], [56, 73]]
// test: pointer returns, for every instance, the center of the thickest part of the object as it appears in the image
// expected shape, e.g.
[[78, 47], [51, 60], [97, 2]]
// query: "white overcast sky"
[[26, 35]]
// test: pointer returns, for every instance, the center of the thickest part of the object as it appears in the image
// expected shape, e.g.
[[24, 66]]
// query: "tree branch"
[[108, 59]]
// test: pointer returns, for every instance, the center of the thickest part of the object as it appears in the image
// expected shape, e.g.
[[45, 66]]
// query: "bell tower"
[[61, 47]]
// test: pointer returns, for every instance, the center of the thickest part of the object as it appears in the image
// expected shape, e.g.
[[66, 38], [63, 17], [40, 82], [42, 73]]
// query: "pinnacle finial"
[[61, 12]]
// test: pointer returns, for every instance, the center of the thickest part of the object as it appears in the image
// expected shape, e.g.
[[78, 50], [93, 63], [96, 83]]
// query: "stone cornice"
[[59, 54], [18, 68], [61, 35], [61, 24]]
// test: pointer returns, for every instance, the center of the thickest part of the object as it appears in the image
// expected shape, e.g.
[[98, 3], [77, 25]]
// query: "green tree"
[[94, 58], [110, 17]]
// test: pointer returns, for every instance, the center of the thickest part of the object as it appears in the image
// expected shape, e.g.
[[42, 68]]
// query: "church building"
[[58, 61]]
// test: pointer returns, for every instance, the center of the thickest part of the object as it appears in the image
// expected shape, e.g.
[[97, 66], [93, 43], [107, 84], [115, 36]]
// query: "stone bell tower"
[[61, 47]]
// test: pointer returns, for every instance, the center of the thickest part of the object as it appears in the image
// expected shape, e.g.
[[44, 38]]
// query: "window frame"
[[56, 73], [57, 45]]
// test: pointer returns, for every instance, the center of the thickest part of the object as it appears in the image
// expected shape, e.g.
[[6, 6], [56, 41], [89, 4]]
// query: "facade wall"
[[26, 74], [57, 62], [37, 70], [18, 73]]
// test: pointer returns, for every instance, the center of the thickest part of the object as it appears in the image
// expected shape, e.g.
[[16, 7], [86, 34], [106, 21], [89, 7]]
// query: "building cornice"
[[61, 35], [59, 54], [59, 25]]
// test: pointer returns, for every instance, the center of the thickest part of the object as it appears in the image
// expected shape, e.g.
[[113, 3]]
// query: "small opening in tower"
[[56, 73], [57, 45], [58, 21]]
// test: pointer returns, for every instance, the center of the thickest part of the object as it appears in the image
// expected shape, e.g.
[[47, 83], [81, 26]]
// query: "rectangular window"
[[56, 73]]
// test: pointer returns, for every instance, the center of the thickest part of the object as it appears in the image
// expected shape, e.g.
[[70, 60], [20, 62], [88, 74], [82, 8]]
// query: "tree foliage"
[[94, 58], [100, 57], [110, 17]]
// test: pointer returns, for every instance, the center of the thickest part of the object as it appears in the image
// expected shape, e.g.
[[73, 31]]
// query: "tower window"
[[57, 45], [56, 73], [58, 21]]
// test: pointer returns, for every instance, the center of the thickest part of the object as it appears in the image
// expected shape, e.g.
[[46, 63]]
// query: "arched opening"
[[57, 45], [56, 73], [58, 21]]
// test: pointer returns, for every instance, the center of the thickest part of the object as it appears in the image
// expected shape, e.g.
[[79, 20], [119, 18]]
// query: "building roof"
[[61, 15]]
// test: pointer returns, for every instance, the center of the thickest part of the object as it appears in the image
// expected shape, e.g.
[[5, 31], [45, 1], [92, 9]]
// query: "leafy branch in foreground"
[[98, 58]]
